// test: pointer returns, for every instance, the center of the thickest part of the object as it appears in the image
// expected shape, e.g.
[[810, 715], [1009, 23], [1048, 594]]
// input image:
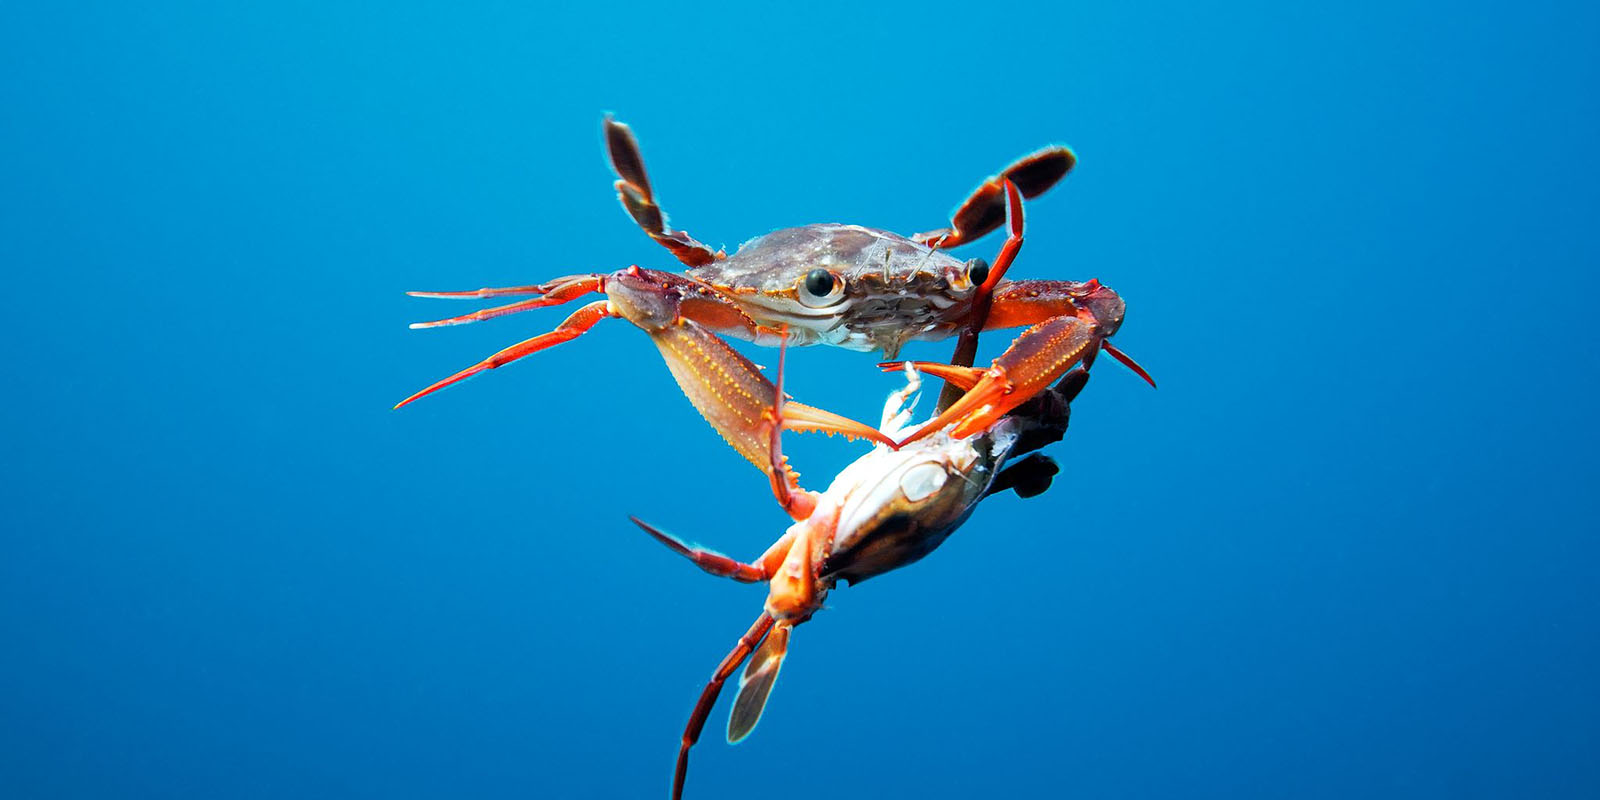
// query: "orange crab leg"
[[708, 696], [574, 326], [715, 563], [719, 564], [785, 485], [633, 189], [967, 342], [727, 389], [984, 210], [554, 293], [504, 291]]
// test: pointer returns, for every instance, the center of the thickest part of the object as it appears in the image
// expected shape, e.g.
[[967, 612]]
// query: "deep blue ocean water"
[[1348, 548]]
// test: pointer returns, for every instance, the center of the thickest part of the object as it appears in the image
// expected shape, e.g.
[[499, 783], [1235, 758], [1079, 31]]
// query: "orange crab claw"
[[963, 377], [1039, 356], [732, 394]]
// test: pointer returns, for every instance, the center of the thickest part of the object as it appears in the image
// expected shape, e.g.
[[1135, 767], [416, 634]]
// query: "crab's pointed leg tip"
[[434, 388], [418, 396]]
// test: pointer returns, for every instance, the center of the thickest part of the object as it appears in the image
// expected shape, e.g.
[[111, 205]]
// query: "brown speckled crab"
[[846, 285]]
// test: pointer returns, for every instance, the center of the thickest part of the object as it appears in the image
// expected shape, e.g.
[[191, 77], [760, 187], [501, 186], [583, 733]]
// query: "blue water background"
[[1347, 549]]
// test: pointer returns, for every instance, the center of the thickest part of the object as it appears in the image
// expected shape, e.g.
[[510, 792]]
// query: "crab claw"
[[1039, 356], [732, 394]]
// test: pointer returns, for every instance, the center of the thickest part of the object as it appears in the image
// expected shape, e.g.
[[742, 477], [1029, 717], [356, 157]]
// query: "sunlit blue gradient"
[[1348, 548]]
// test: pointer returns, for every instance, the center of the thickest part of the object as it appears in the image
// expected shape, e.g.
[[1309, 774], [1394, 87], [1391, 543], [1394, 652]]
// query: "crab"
[[849, 286], [888, 509]]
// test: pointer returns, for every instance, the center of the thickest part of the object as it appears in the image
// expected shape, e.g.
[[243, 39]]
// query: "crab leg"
[[504, 291], [708, 696], [797, 502], [554, 293], [718, 564], [985, 209], [967, 342], [574, 326], [633, 189], [727, 389]]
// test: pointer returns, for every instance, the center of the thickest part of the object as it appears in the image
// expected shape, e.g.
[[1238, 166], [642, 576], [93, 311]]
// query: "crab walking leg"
[[708, 697], [967, 342], [718, 564], [487, 291], [727, 389], [574, 326], [633, 189], [984, 210], [554, 293], [796, 502]]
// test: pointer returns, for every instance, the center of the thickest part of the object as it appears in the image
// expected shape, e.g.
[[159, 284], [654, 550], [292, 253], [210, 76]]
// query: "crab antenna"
[[1128, 362]]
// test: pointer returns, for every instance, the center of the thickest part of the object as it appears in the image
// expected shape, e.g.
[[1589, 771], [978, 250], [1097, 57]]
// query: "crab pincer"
[[1036, 358], [843, 285]]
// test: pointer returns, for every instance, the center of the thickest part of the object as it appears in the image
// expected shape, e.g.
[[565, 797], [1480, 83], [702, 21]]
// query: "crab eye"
[[977, 271], [819, 288]]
